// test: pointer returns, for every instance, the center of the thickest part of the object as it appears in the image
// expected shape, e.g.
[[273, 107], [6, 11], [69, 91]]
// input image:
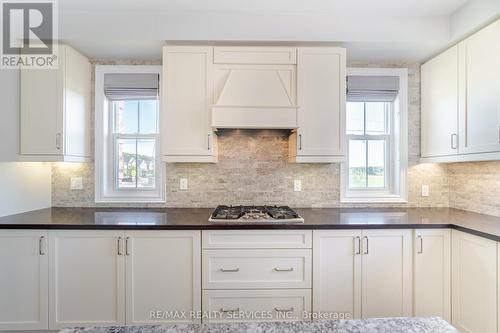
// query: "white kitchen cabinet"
[[432, 273], [321, 99], [163, 273], [264, 55], [439, 99], [474, 283], [386, 266], [186, 132], [257, 239], [337, 272], [23, 280], [256, 269], [257, 305], [87, 278], [55, 110], [366, 274], [461, 101], [479, 91]]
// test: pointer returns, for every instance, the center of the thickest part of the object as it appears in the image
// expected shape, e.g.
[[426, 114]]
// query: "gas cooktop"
[[255, 214]]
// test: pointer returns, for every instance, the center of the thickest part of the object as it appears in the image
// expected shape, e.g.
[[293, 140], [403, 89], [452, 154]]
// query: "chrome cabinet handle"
[[357, 245], [454, 141], [300, 141], [208, 141], [366, 245], [41, 246], [127, 252], [421, 244], [277, 269], [284, 310], [119, 246], [229, 310], [229, 270], [58, 141]]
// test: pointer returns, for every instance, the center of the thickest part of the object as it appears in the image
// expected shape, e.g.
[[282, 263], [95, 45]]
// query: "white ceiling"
[[390, 30]]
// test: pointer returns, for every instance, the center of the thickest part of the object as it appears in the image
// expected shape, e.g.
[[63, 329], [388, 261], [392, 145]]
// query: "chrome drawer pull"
[[283, 269], [229, 310], [284, 310], [229, 270]]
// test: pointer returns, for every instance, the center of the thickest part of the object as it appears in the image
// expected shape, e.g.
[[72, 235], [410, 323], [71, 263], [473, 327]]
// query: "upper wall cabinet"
[[461, 101], [55, 110], [321, 97], [187, 96]]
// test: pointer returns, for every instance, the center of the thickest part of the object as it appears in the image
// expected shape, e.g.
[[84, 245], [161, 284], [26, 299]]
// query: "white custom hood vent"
[[250, 95]]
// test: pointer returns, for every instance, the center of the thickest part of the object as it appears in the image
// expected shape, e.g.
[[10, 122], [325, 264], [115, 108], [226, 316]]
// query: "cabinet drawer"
[[256, 305], [255, 55], [257, 239], [256, 269]]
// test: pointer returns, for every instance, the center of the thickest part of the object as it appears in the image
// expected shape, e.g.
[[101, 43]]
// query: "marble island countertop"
[[382, 325], [197, 219]]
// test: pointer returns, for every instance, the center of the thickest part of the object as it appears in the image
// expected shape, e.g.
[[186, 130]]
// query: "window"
[[127, 135], [369, 141], [376, 131], [135, 133]]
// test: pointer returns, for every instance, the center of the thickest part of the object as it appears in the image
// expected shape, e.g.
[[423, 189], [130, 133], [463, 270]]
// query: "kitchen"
[[305, 174]]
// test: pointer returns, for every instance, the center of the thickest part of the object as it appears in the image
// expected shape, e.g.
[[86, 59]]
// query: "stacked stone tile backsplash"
[[253, 168]]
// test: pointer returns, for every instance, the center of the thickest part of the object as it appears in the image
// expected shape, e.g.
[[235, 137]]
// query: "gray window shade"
[[131, 86], [372, 88]]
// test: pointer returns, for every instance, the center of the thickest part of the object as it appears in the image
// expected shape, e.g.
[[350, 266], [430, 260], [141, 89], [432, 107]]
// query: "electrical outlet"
[[76, 183], [425, 190], [297, 185], [183, 184]]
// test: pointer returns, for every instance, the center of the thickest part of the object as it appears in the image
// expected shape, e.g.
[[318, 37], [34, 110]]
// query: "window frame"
[[396, 175], [106, 190]]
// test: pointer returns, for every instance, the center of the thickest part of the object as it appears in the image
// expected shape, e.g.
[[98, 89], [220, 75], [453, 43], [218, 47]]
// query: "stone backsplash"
[[253, 169]]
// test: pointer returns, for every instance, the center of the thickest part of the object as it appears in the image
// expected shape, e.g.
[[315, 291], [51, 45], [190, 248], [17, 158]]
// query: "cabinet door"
[[432, 273], [440, 105], [474, 287], [87, 278], [41, 111], [163, 274], [386, 273], [479, 106], [321, 80], [337, 272], [23, 280], [187, 99]]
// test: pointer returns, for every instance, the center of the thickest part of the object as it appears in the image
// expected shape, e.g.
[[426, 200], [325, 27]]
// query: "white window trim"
[[104, 192], [374, 196]]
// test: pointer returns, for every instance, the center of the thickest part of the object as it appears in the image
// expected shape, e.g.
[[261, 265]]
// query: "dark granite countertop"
[[197, 219]]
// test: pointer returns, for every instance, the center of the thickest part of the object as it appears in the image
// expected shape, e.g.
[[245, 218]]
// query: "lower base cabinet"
[[23, 280], [474, 283], [432, 273], [363, 273], [116, 278], [256, 305]]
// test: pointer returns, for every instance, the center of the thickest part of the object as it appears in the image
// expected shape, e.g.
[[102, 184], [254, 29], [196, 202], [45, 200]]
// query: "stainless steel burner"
[[255, 214]]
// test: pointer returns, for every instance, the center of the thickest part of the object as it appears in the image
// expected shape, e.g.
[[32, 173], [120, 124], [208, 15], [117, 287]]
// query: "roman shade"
[[372, 88], [131, 86]]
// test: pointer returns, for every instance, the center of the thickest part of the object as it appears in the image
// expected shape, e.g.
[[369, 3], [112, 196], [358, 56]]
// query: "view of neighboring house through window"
[[135, 135]]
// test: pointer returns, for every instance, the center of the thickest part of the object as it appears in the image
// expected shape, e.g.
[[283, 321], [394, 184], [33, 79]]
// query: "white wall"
[[24, 186], [473, 15]]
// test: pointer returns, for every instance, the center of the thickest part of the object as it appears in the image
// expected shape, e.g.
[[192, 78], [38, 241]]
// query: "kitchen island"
[[382, 325]]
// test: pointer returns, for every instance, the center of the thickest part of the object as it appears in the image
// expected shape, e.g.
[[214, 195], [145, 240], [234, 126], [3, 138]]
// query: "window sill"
[[374, 200], [130, 201]]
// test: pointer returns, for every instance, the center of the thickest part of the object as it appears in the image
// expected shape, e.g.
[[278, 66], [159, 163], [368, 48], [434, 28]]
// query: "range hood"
[[254, 96]]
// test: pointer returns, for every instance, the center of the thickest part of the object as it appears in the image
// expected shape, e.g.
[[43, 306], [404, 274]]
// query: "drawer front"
[[256, 305], [257, 239], [255, 55], [256, 269]]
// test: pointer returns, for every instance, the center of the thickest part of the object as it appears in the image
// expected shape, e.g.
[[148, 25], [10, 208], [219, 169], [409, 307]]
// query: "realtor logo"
[[28, 34]]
